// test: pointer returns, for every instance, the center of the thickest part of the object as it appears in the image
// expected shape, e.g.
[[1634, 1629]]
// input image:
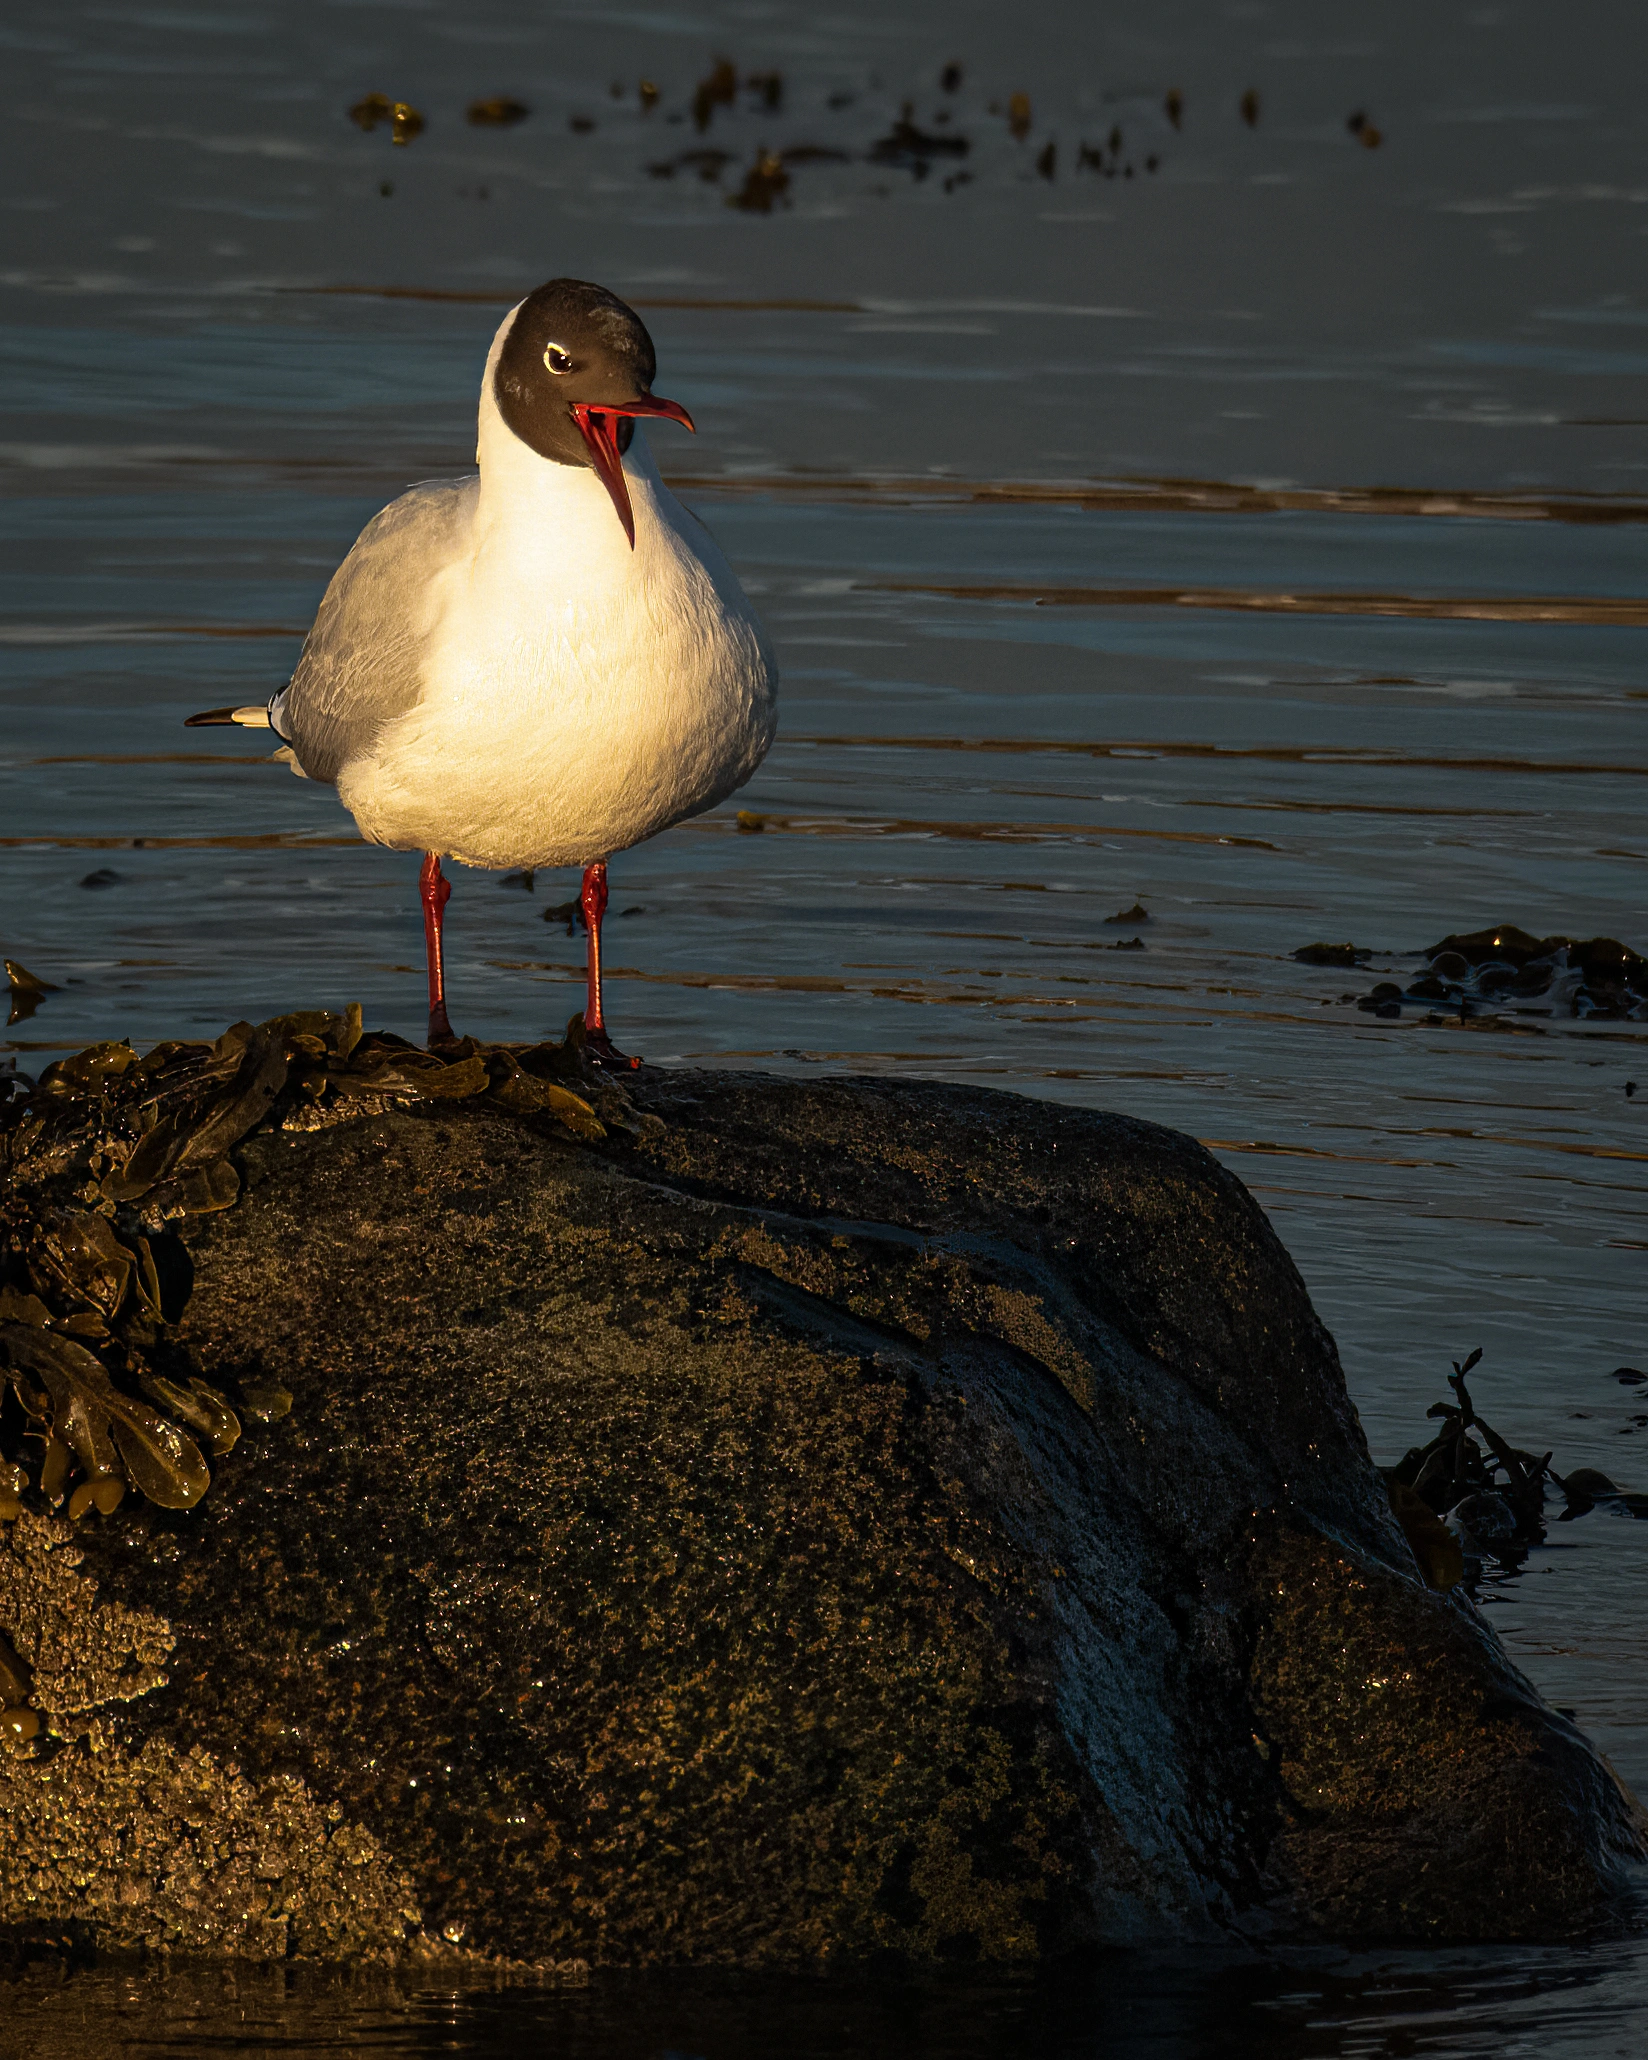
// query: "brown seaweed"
[[109, 1149], [265, 1401], [201, 1407], [404, 121], [766, 89], [1501, 970], [26, 991], [174, 1147], [1440, 1555], [765, 182], [1491, 1493], [708, 164], [103, 1428], [1508, 968], [718, 88], [912, 149], [76, 1259], [500, 112]]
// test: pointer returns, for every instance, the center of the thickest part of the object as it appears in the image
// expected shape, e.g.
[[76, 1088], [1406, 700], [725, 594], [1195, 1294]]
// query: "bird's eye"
[[557, 359]]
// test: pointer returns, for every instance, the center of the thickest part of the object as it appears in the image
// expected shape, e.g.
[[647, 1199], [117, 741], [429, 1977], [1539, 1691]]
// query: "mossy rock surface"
[[860, 1517]]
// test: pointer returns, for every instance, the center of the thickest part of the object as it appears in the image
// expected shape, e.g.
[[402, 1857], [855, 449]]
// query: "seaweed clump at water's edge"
[[1508, 968], [1493, 1499], [107, 1158]]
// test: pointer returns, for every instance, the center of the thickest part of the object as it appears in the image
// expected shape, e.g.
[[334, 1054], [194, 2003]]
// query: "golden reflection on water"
[[1274, 754], [1624, 610]]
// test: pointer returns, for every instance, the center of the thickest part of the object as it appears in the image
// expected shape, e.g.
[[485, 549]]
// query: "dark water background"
[[223, 345]]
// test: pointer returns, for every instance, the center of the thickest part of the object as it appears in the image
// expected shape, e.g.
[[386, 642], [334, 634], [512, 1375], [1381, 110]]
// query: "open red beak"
[[599, 427]]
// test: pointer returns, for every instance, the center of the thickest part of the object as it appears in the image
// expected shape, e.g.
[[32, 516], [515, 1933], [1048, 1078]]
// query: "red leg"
[[597, 1043], [433, 886]]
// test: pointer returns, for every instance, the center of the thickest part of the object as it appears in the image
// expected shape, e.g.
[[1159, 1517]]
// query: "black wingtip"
[[208, 717]]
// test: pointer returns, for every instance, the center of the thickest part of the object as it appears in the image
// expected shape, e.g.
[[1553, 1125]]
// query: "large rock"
[[858, 1516]]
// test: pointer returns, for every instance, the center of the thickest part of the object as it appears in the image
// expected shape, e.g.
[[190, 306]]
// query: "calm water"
[[905, 395]]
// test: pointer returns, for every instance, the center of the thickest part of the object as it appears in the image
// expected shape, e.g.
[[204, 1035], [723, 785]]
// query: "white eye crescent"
[[557, 359]]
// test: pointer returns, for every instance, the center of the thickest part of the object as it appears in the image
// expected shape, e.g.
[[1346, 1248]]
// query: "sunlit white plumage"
[[495, 675], [544, 663]]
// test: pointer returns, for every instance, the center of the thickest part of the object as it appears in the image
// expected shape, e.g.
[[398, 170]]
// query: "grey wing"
[[362, 662]]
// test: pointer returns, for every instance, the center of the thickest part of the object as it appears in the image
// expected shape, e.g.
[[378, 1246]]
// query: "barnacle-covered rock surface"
[[735, 1519]]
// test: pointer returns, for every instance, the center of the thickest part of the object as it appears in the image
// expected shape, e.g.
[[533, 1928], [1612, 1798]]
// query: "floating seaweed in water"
[[1364, 131], [1453, 1474], [766, 89], [1248, 107], [1092, 157], [765, 182], [719, 88], [911, 148], [1491, 1493], [404, 121], [1173, 107], [27, 991], [107, 1155], [1507, 969], [1384, 998], [708, 164], [498, 113], [569, 912]]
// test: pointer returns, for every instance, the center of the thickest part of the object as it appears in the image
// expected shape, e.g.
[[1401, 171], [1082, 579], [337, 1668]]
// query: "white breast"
[[576, 696]]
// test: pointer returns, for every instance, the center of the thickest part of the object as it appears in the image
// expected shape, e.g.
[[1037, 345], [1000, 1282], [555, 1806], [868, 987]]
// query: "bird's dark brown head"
[[575, 368]]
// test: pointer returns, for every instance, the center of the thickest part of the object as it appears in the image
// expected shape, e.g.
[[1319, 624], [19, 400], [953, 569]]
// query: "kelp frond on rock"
[[105, 1164]]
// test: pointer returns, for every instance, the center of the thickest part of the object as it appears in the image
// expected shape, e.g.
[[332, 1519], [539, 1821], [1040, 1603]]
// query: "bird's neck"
[[532, 509]]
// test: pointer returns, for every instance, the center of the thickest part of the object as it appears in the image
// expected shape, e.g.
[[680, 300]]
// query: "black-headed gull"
[[545, 662]]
